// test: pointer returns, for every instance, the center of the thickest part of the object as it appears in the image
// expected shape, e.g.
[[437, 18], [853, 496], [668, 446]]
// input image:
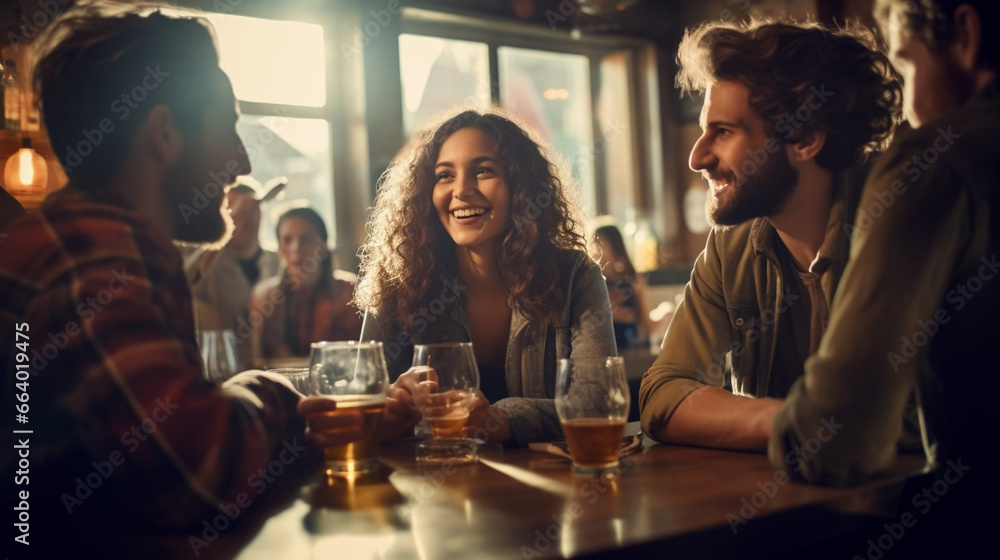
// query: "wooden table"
[[526, 504]]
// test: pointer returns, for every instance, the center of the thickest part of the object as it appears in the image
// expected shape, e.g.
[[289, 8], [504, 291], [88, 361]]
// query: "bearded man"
[[791, 113]]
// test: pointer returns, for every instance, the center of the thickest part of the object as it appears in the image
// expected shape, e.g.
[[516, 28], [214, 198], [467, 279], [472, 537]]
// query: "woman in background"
[[626, 289], [309, 301], [474, 237]]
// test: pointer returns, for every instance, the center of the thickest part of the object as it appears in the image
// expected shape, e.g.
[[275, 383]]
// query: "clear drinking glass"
[[299, 376], [449, 383], [218, 353], [592, 400], [354, 374]]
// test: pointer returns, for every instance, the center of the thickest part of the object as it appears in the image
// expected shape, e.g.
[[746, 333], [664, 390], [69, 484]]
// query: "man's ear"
[[808, 146], [968, 37], [165, 139]]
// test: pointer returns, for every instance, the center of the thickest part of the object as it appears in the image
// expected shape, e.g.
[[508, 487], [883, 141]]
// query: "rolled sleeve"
[[694, 349]]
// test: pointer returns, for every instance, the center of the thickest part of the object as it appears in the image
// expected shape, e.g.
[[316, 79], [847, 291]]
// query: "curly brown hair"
[[408, 252], [785, 64]]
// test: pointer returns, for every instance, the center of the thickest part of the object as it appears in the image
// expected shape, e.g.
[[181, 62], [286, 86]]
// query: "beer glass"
[[449, 384], [592, 400], [355, 376]]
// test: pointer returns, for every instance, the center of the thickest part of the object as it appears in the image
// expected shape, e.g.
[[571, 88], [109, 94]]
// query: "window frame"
[[341, 230]]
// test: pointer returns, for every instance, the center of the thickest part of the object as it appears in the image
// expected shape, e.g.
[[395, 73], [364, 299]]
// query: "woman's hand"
[[326, 426], [401, 413], [488, 419]]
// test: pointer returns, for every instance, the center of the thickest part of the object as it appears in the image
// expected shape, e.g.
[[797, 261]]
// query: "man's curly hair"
[[408, 254], [783, 65]]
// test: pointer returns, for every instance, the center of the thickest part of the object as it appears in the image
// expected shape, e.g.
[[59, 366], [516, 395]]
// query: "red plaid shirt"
[[117, 380]]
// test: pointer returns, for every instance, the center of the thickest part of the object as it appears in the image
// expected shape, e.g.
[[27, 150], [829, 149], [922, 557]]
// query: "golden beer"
[[594, 442], [450, 426], [357, 456]]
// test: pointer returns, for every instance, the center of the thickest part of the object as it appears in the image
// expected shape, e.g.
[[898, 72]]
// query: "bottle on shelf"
[[647, 247], [11, 96]]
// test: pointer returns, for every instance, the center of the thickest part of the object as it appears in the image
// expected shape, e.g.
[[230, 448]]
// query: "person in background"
[[791, 113], [311, 300], [127, 439], [222, 293], [917, 307], [475, 238], [626, 288]]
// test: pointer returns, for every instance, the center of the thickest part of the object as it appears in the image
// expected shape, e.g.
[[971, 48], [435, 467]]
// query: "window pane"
[[551, 92], [300, 150], [272, 61], [439, 75]]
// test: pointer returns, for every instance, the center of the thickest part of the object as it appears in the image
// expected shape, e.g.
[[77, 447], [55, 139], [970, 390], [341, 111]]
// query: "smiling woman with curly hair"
[[474, 237]]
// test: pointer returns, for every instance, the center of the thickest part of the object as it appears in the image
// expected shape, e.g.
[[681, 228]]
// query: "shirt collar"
[[836, 243]]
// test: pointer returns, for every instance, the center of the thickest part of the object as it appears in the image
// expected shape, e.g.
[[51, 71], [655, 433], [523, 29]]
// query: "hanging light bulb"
[[25, 171]]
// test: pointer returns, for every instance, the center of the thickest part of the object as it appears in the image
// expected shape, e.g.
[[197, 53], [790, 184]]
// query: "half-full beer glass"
[[592, 401], [353, 374], [449, 383]]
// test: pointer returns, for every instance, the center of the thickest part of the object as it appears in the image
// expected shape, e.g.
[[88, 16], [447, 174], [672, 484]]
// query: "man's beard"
[[210, 226], [760, 194]]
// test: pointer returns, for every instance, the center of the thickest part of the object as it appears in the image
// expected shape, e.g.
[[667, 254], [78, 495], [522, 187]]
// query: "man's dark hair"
[[933, 21], [788, 69], [104, 64]]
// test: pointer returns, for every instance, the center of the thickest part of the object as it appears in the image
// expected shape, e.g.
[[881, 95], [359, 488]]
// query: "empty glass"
[[298, 376], [219, 355], [592, 400]]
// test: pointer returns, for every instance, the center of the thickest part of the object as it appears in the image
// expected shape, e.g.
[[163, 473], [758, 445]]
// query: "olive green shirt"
[[917, 308], [734, 319]]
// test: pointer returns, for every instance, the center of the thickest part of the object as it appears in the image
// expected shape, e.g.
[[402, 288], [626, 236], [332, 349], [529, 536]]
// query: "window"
[[298, 149], [272, 61], [439, 74], [551, 93], [277, 68]]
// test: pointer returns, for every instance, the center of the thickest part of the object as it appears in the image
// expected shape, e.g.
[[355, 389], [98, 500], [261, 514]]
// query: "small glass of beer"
[[449, 384], [353, 374], [592, 400]]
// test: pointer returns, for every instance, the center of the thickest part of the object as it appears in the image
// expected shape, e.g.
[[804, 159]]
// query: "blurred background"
[[330, 90]]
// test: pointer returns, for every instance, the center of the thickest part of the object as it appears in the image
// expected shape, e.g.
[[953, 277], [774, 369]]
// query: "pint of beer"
[[353, 374], [358, 456], [592, 400]]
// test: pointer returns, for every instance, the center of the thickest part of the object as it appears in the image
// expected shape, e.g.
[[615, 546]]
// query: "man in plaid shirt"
[[120, 429]]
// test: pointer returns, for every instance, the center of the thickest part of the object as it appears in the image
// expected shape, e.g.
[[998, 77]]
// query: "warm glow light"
[[26, 173]]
